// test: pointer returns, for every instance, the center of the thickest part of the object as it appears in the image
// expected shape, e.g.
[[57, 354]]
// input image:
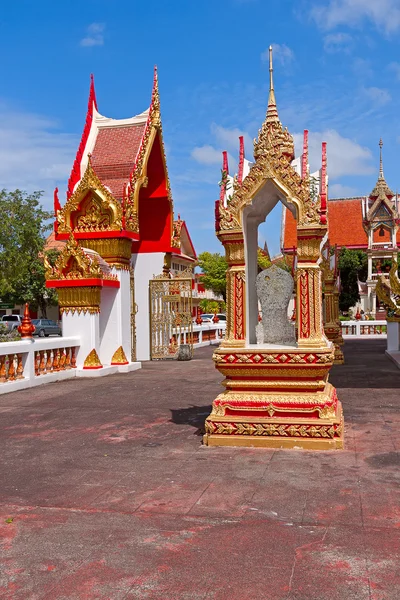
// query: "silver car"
[[45, 327]]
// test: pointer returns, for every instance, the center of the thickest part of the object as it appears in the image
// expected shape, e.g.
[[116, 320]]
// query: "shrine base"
[[276, 398]]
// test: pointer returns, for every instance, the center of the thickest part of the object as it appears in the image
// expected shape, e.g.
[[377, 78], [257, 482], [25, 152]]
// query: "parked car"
[[221, 316], [208, 318], [45, 327], [11, 321]]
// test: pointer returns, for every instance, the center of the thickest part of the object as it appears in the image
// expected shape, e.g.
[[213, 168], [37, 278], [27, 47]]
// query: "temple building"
[[367, 223], [119, 232]]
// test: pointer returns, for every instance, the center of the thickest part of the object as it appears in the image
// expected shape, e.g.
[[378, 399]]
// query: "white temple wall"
[[145, 267], [124, 312], [87, 328]]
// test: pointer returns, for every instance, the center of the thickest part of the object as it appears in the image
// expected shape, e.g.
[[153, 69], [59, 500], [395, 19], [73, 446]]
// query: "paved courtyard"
[[107, 493]]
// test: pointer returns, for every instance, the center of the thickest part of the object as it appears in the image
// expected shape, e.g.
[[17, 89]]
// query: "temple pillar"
[[332, 325], [309, 288], [235, 335]]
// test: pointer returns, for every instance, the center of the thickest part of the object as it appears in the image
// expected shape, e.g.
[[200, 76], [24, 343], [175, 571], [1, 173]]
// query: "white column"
[[87, 328], [115, 318], [369, 267]]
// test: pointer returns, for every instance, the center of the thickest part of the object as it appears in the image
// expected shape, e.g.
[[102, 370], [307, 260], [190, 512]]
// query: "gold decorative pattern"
[[119, 357], [115, 251], [74, 263], [92, 361], [284, 357], [273, 429], [83, 299], [234, 252], [101, 212]]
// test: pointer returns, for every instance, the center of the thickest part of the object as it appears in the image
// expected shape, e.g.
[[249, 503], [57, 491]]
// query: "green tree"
[[262, 260], [23, 227], [210, 306], [353, 266], [214, 267]]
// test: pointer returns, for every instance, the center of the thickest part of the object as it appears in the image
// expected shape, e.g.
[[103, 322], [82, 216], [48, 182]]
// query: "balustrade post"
[[20, 367], [3, 369], [11, 367]]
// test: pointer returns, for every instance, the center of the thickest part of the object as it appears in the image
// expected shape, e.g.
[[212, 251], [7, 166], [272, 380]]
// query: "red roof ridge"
[[346, 198], [76, 168]]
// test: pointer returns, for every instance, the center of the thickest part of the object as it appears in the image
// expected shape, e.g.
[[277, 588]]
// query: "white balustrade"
[[27, 363], [202, 335], [364, 329]]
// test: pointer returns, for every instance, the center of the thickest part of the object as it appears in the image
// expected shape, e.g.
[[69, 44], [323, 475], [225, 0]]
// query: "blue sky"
[[337, 73]]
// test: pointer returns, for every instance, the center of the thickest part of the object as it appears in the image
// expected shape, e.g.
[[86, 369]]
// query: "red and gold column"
[[235, 291]]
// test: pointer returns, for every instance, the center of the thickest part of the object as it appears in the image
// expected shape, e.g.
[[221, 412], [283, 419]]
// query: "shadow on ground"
[[194, 416]]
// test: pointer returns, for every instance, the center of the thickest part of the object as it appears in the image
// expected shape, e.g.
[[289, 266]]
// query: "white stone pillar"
[[86, 326], [369, 267], [115, 318]]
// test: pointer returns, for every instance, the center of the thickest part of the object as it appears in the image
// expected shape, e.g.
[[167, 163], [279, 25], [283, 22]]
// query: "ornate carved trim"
[[100, 212], [79, 299]]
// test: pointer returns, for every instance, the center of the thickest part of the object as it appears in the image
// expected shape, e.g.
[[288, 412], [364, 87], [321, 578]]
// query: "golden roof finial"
[[272, 112]]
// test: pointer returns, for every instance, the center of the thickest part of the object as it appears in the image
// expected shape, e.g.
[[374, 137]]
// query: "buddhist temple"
[[119, 232]]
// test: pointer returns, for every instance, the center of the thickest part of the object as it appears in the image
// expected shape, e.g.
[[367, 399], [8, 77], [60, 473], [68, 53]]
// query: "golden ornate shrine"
[[275, 396]]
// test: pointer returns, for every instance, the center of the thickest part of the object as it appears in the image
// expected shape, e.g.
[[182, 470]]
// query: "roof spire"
[[272, 112], [381, 189], [155, 96], [381, 175], [92, 94]]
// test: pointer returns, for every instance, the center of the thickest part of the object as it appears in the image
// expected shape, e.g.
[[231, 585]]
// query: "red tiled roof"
[[53, 244], [345, 224], [114, 154]]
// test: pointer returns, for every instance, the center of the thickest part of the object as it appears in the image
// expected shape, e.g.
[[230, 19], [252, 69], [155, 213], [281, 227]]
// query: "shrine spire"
[[381, 189], [381, 175], [272, 112]]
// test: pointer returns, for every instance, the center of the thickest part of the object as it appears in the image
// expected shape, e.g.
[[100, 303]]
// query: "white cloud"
[[94, 35], [224, 139], [384, 14], [207, 155], [34, 155], [229, 138], [345, 156], [337, 190], [378, 95], [281, 54], [395, 68], [337, 42], [362, 67]]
